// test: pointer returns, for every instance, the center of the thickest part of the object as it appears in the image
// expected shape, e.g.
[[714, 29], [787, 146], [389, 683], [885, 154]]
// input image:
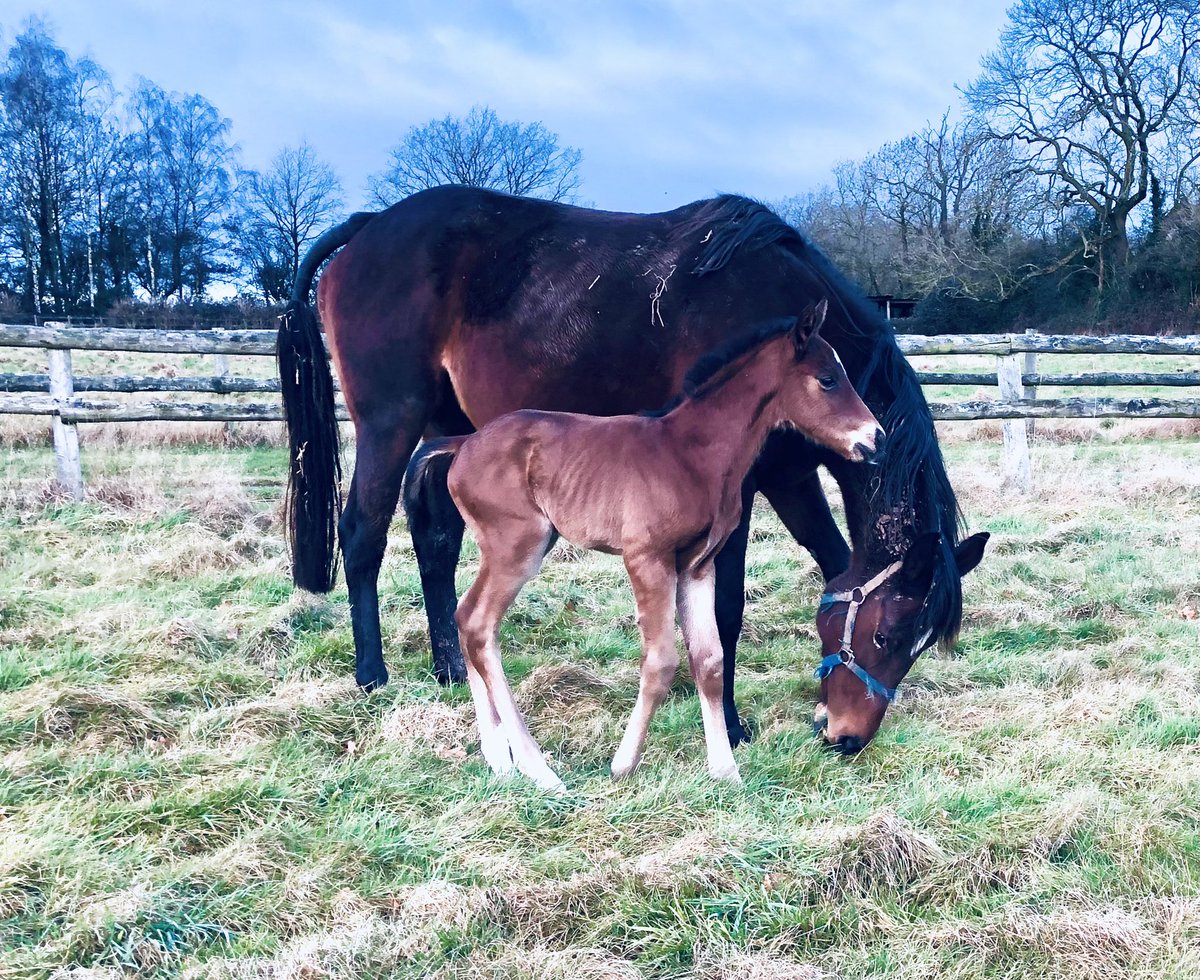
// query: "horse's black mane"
[[733, 223], [912, 483]]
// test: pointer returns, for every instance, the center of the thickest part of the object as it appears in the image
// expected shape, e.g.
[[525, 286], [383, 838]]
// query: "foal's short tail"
[[430, 462], [314, 493]]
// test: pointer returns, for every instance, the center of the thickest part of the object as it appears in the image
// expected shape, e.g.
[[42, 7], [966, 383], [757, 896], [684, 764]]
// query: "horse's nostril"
[[850, 745]]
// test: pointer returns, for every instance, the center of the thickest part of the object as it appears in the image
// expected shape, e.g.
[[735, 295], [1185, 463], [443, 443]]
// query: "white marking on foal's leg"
[[658, 668], [492, 742], [696, 597], [653, 580]]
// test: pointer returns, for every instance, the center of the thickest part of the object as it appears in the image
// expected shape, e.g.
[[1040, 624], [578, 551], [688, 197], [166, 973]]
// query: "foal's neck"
[[729, 423]]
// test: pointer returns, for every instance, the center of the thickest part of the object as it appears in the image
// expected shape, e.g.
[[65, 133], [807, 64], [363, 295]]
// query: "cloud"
[[667, 100]]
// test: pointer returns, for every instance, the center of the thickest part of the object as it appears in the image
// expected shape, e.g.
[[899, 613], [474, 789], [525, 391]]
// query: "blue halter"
[[845, 655]]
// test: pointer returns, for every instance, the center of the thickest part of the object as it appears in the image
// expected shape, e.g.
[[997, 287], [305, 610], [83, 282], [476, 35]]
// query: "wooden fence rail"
[[56, 393]]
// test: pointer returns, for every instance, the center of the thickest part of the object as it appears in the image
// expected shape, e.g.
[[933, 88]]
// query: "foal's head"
[[870, 629], [817, 398]]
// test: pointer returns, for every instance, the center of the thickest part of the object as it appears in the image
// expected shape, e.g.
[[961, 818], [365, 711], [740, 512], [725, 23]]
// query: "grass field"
[[190, 785]]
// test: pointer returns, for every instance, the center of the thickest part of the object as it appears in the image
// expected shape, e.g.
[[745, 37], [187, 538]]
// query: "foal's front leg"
[[698, 620], [653, 580]]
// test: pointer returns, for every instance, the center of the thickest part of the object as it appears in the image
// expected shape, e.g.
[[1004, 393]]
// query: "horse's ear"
[[969, 553], [919, 561], [808, 325]]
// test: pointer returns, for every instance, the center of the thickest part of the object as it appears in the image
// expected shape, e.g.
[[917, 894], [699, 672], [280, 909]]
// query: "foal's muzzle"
[[873, 455]]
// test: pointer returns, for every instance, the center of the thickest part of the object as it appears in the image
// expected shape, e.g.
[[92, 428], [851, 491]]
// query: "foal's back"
[[605, 484]]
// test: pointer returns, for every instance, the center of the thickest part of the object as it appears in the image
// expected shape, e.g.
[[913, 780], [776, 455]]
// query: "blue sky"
[[668, 101]]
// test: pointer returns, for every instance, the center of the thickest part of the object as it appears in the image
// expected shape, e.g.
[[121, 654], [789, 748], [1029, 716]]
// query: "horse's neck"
[[727, 426]]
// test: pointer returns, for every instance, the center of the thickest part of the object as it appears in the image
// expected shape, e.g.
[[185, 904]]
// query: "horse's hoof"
[[372, 683], [739, 734], [447, 674]]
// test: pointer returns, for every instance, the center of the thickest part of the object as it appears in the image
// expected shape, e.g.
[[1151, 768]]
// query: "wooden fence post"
[[221, 370], [1030, 368], [1016, 442], [66, 434]]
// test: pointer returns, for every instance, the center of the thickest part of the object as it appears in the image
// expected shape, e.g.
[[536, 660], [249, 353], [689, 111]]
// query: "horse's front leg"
[[730, 604], [796, 496]]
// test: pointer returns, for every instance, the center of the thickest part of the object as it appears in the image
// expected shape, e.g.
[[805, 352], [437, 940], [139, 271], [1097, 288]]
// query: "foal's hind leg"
[[510, 555], [653, 580], [696, 617]]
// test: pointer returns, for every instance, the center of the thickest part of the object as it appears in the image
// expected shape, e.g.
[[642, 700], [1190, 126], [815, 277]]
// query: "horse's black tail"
[[314, 493]]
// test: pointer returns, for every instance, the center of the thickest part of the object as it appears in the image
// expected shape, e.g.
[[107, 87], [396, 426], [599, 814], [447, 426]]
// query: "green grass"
[[190, 784]]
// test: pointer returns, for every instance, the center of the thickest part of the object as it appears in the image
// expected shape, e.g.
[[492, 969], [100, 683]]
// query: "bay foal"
[[663, 491]]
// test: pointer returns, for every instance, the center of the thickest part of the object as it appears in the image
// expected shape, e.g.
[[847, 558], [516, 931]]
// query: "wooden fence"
[[56, 394]]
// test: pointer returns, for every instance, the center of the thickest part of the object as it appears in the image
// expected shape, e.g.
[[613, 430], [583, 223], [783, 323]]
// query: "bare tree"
[[1087, 86], [184, 167], [479, 150], [283, 209], [46, 99]]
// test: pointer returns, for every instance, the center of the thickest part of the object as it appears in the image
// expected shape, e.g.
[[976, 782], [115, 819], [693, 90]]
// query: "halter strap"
[[845, 654]]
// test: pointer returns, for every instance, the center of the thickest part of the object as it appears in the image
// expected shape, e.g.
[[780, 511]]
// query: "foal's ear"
[[808, 324], [919, 560], [969, 553]]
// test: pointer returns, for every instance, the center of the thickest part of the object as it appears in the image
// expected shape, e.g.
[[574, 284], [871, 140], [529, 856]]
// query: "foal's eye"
[[880, 640], [827, 382]]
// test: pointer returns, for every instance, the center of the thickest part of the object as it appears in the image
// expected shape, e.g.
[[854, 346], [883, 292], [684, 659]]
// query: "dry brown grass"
[[883, 852], [1080, 944]]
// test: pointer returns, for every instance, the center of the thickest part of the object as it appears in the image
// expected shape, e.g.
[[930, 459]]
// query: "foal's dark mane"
[[912, 482], [702, 377]]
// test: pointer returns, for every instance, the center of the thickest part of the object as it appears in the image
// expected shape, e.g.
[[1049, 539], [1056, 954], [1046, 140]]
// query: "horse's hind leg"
[[382, 453], [653, 580], [437, 532], [510, 555], [696, 617]]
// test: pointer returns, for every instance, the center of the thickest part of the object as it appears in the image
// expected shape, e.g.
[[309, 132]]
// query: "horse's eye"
[[827, 382], [880, 640]]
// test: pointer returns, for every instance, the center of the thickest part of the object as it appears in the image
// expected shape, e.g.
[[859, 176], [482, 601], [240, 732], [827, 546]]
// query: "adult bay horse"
[[458, 305]]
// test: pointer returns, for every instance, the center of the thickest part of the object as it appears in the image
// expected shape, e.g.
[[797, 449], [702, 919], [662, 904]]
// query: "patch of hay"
[[553, 683], [694, 861], [437, 904], [363, 944], [545, 963], [105, 714], [443, 728], [570, 708], [884, 851], [730, 963], [191, 554], [1087, 944], [225, 508], [558, 912]]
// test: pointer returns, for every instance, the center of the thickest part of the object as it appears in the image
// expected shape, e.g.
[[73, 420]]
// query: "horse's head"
[[870, 636]]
